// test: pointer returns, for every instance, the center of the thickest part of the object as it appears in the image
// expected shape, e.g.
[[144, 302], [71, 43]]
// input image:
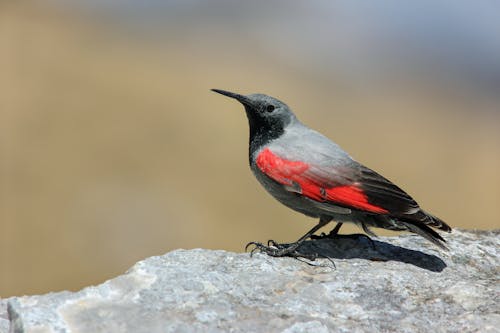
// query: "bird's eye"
[[270, 108]]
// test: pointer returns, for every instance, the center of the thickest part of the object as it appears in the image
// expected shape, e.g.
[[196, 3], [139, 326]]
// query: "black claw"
[[312, 262], [271, 242], [279, 250], [251, 243], [274, 249], [255, 249]]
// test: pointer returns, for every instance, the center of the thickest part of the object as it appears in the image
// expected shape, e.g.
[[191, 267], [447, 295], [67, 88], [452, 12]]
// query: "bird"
[[309, 173]]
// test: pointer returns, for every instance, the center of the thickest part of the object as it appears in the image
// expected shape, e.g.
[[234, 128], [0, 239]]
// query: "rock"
[[401, 284]]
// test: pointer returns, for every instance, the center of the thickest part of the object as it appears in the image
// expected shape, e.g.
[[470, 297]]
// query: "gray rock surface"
[[401, 284]]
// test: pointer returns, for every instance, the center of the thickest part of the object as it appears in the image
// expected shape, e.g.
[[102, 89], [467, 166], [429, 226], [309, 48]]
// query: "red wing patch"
[[352, 196], [288, 172]]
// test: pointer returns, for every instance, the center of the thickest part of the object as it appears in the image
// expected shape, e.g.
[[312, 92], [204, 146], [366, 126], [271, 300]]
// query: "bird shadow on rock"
[[349, 247]]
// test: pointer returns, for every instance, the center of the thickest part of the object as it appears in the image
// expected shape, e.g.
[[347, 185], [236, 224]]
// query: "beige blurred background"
[[113, 148]]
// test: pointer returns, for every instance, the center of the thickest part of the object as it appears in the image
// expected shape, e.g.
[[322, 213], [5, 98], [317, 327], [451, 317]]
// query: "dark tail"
[[426, 232], [437, 222]]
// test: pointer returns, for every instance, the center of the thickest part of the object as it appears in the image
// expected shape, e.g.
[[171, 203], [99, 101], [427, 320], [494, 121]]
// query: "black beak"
[[241, 98]]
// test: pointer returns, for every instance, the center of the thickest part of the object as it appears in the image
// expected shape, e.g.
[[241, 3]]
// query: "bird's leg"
[[288, 250], [335, 230], [331, 234], [335, 234]]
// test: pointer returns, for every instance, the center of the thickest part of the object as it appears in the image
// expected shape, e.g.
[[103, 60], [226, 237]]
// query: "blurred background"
[[113, 148]]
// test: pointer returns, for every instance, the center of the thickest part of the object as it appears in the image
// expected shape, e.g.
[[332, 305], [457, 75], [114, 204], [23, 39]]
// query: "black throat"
[[263, 131]]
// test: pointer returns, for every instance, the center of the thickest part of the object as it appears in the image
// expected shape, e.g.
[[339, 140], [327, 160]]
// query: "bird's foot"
[[333, 235], [274, 249]]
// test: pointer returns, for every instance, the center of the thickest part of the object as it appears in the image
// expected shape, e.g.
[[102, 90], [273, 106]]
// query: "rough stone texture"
[[398, 284]]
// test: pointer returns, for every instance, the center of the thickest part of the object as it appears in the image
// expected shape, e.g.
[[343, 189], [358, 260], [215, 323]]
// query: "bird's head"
[[267, 116]]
